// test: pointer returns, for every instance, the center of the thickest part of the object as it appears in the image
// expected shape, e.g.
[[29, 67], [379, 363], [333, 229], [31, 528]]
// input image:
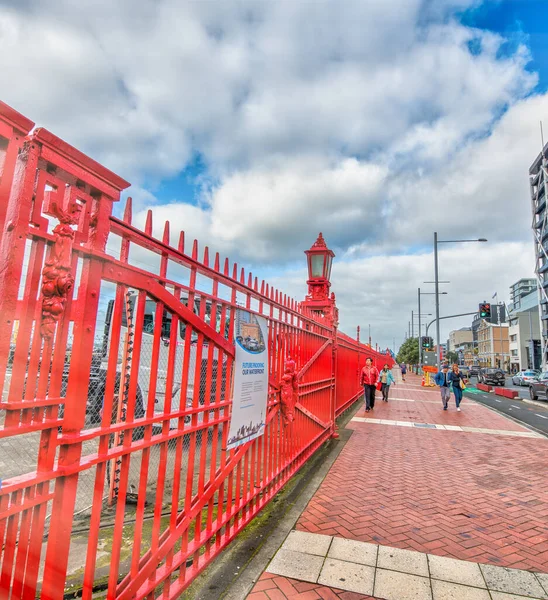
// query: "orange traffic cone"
[[423, 382]]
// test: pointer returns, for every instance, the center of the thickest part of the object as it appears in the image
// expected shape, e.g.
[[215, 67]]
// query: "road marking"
[[439, 427], [498, 400], [514, 406], [541, 416]]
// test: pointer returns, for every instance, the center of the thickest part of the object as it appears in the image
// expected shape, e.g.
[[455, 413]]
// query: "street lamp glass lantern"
[[320, 259]]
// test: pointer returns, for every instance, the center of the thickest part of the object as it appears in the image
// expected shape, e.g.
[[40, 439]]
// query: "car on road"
[[474, 370], [492, 377], [465, 370], [524, 377], [539, 389]]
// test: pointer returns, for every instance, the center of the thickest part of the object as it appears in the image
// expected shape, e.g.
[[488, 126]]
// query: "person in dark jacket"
[[455, 377], [403, 371], [442, 379], [369, 378]]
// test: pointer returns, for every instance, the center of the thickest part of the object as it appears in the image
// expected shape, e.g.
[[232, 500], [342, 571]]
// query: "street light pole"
[[420, 345], [437, 283], [437, 292], [412, 325]]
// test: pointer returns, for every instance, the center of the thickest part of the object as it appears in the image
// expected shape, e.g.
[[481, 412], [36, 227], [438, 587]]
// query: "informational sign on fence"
[[249, 400]]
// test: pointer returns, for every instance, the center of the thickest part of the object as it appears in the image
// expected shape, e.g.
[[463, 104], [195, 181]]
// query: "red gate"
[[116, 353]]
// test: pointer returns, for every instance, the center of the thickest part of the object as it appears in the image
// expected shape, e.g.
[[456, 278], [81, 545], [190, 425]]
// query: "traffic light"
[[427, 342], [485, 311]]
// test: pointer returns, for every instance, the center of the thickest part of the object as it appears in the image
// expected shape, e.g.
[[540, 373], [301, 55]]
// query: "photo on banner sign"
[[247, 420]]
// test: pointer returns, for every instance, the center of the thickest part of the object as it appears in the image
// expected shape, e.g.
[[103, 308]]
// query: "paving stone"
[[391, 485], [347, 576], [309, 543], [296, 565], [456, 571], [406, 561], [543, 578], [443, 590], [391, 585], [512, 581], [352, 551]]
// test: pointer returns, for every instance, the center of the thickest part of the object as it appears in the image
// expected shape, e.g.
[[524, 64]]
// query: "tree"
[[452, 357], [409, 352]]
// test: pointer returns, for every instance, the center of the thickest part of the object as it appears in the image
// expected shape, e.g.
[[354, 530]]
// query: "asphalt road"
[[530, 414]]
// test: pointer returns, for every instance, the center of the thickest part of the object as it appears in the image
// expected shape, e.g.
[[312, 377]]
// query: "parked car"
[[465, 370], [492, 377], [524, 378], [539, 388], [474, 370]]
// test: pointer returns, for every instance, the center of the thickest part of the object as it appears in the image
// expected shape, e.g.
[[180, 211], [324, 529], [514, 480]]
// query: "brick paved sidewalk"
[[467, 495]]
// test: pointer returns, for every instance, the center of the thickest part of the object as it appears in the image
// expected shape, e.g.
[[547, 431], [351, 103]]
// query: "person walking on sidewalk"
[[457, 380], [403, 371], [387, 379], [442, 379], [369, 378]]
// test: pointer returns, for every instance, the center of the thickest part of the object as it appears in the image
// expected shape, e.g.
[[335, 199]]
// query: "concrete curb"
[[535, 402]]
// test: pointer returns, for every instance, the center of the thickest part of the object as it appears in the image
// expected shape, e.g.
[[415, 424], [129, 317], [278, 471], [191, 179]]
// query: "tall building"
[[524, 332], [538, 180], [522, 288], [460, 336]]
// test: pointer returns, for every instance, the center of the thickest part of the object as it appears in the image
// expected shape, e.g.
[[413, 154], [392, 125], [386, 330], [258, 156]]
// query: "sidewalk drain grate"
[[427, 425]]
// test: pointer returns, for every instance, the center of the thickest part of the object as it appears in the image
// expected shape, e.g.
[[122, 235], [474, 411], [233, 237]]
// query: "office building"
[[538, 180]]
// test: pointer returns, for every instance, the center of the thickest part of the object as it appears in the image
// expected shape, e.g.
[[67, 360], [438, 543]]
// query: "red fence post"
[[70, 450]]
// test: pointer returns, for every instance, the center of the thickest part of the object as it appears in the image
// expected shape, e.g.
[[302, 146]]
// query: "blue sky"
[[525, 21]]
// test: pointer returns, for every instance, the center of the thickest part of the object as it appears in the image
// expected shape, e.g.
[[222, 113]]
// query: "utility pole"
[[420, 345], [437, 292], [412, 325], [409, 328]]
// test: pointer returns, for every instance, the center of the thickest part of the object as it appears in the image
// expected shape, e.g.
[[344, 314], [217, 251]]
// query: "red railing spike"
[[206, 257], [216, 266], [262, 287], [267, 294], [128, 210], [226, 270], [148, 223], [235, 272], [166, 233], [242, 276], [181, 245], [249, 280], [195, 250], [256, 284]]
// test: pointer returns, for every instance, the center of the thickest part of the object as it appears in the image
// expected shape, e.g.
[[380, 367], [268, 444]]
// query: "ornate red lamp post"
[[318, 299]]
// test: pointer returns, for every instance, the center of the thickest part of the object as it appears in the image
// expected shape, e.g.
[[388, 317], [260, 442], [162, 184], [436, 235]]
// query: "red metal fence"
[[116, 351]]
